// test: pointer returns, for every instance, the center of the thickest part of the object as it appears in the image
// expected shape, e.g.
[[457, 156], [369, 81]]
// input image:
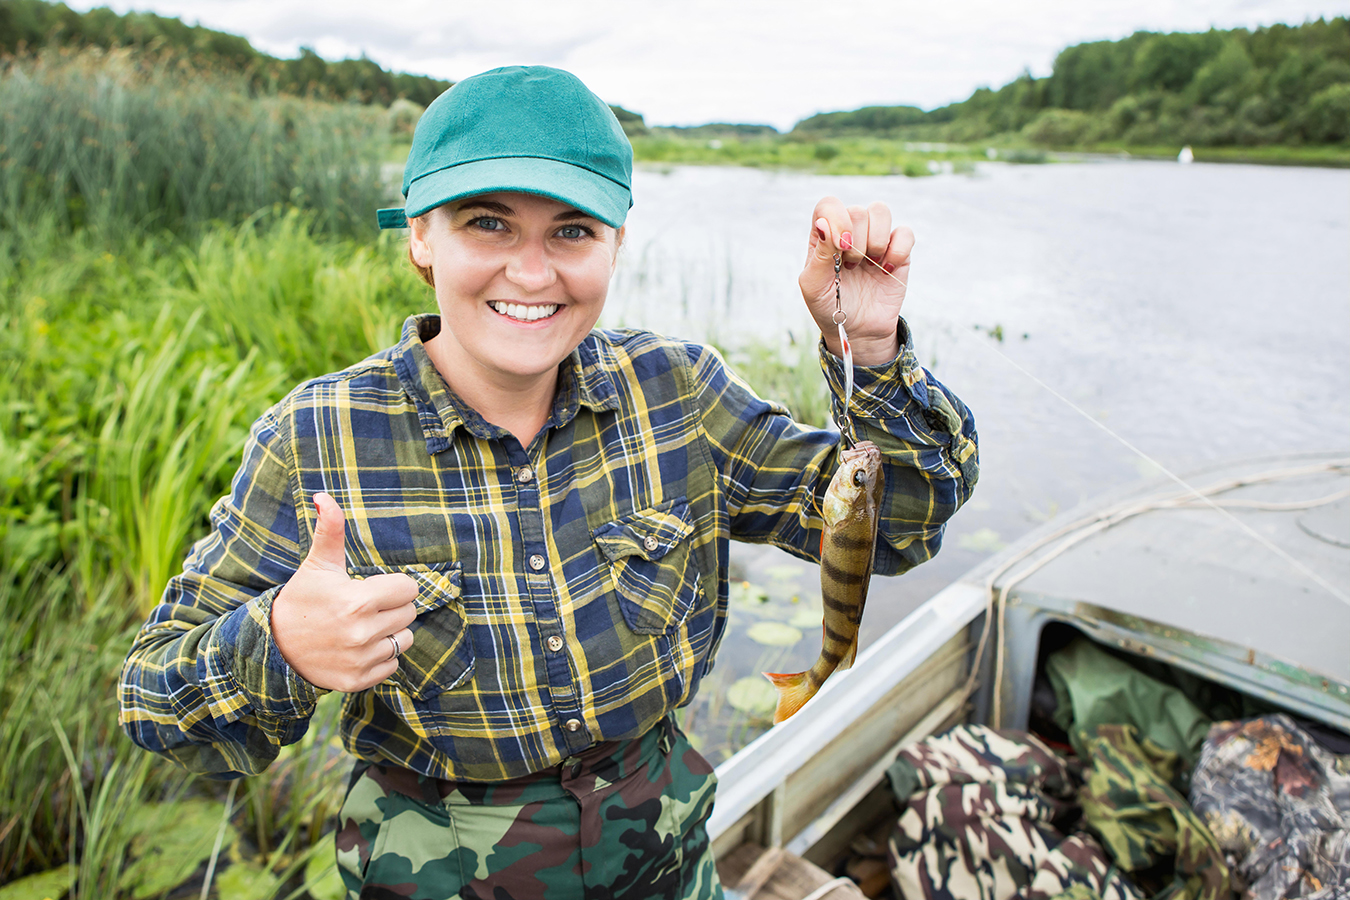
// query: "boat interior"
[[1155, 575]]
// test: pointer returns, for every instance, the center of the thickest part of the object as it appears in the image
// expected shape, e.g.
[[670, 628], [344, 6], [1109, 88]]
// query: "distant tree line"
[[28, 25], [1279, 84]]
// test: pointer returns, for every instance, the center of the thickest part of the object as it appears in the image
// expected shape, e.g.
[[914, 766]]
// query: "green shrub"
[[1327, 116], [1058, 128]]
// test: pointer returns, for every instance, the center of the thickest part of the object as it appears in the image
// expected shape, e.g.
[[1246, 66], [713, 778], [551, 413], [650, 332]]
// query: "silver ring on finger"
[[397, 649]]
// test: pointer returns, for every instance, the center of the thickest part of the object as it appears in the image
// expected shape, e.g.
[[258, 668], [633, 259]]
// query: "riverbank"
[[1335, 156], [888, 156], [916, 159]]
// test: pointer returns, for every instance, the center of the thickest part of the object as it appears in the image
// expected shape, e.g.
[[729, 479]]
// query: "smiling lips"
[[522, 313]]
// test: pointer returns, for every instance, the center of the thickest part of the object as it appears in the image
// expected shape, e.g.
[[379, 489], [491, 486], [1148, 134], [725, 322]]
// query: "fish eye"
[[859, 478]]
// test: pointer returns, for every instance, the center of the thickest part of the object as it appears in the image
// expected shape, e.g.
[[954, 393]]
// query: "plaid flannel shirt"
[[570, 592]]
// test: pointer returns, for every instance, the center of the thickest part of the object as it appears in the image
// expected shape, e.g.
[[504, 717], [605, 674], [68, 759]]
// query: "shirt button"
[[554, 643], [525, 474], [650, 543], [573, 725], [536, 562]]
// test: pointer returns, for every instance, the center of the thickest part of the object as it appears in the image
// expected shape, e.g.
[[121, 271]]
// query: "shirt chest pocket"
[[441, 656], [649, 557]]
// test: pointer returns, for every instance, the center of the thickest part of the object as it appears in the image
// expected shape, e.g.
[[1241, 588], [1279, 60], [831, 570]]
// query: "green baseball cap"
[[531, 129]]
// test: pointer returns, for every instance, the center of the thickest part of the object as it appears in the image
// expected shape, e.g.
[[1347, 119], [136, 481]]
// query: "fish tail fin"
[[793, 692], [849, 656]]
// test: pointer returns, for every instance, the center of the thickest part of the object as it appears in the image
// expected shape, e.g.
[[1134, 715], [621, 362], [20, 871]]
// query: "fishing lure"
[[840, 317]]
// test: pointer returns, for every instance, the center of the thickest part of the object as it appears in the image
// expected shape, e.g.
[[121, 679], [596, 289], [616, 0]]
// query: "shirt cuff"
[[880, 392], [256, 667]]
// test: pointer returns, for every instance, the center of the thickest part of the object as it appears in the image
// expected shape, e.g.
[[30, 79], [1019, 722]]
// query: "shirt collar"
[[585, 378]]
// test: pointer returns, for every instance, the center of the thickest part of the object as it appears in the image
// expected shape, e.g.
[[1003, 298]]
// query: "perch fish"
[[851, 511]]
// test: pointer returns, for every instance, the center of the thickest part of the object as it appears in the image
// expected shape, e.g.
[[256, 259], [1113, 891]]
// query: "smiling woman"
[[523, 281], [505, 539]]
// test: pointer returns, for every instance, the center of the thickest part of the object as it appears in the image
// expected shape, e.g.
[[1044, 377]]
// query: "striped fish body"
[[851, 511]]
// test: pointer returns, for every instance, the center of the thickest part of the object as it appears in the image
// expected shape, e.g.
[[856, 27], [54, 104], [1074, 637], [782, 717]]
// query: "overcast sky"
[[687, 62]]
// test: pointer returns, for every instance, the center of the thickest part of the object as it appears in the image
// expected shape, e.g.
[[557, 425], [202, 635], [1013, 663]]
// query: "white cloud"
[[696, 61]]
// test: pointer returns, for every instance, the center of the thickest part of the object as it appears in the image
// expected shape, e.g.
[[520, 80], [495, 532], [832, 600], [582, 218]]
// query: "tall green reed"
[[69, 779], [129, 374], [167, 445], [310, 306], [112, 139]]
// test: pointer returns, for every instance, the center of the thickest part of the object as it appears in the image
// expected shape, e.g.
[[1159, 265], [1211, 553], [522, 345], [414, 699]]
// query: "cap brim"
[[593, 194]]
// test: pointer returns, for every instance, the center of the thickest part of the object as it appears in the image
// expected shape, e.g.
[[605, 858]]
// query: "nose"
[[530, 267]]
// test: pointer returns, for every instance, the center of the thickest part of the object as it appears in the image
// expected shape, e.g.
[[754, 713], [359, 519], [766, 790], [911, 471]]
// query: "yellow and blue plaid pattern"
[[570, 592]]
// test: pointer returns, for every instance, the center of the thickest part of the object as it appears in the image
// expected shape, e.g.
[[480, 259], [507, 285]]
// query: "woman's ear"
[[618, 243], [418, 248]]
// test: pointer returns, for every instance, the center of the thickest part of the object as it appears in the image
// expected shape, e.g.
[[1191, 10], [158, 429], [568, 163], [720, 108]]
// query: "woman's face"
[[520, 281]]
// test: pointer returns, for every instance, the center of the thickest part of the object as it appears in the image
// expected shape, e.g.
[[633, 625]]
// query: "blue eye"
[[489, 224], [572, 232]]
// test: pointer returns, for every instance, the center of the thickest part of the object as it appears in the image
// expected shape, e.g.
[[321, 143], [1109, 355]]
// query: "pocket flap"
[[437, 583], [441, 656], [649, 533]]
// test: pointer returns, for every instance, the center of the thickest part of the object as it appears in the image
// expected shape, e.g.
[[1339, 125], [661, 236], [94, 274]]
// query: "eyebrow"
[[502, 209]]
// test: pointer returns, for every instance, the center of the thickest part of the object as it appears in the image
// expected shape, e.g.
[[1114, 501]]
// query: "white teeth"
[[525, 313]]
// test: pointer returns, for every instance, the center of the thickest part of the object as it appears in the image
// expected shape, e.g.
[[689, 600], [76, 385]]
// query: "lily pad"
[[807, 617], [171, 841], [783, 571], [743, 593], [246, 881], [753, 696], [321, 873], [773, 634], [49, 885], [983, 540]]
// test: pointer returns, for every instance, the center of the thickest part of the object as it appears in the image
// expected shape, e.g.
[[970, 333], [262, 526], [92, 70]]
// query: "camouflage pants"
[[622, 820]]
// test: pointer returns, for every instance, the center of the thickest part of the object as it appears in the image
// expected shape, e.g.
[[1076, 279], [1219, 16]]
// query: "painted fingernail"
[[821, 228], [889, 267], [846, 240]]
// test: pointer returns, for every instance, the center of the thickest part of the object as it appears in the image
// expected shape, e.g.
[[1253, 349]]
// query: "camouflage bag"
[[1149, 828], [1279, 806], [622, 820], [983, 815]]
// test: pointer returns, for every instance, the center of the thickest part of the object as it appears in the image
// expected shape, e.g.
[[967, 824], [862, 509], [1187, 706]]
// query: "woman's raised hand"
[[334, 630], [871, 295]]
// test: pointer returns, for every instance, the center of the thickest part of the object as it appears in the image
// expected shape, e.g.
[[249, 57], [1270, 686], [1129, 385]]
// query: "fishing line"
[[1234, 520]]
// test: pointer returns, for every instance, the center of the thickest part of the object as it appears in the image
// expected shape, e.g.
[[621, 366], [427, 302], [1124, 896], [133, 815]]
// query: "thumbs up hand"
[[332, 630]]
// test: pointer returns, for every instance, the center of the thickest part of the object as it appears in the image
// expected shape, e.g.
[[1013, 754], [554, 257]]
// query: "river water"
[[1200, 312]]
